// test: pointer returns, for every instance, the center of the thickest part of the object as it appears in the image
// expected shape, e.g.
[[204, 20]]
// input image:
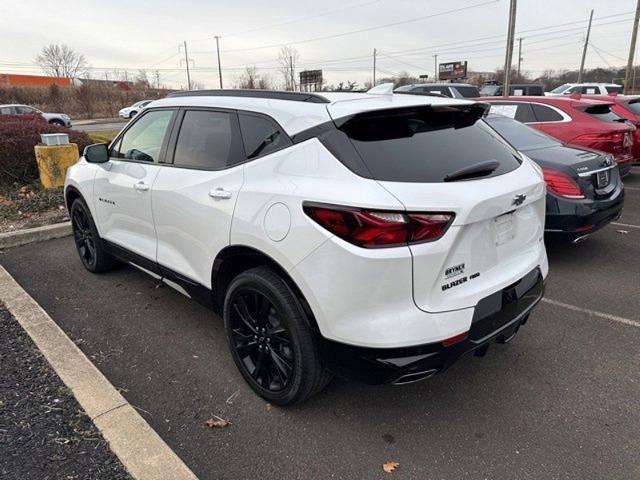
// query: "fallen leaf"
[[268, 407], [217, 422], [390, 466]]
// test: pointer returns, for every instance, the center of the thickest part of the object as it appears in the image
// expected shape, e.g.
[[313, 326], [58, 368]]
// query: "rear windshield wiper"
[[476, 170]]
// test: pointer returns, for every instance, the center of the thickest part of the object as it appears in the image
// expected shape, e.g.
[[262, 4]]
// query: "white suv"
[[376, 237], [586, 89]]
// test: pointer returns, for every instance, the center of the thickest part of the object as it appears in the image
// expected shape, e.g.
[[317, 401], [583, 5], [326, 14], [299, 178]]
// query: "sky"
[[337, 36]]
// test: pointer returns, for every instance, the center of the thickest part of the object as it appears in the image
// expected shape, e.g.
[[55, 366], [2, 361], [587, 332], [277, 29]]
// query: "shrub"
[[18, 135]]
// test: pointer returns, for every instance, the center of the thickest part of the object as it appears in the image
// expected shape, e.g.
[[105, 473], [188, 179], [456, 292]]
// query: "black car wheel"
[[133, 114], [89, 245], [270, 340], [60, 123]]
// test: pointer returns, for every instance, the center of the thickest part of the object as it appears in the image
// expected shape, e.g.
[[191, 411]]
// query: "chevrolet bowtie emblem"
[[519, 199]]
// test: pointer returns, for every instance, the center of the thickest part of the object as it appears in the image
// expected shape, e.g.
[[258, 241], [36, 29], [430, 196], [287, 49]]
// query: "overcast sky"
[[336, 35]]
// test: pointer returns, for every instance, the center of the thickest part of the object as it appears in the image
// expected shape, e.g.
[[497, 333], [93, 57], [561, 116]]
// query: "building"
[[17, 80]]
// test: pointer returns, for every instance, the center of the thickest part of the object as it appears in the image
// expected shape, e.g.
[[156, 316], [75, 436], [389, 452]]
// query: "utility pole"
[[509, 55], [584, 50], [632, 51], [435, 67], [519, 55], [375, 52], [293, 83], [186, 62], [219, 66]]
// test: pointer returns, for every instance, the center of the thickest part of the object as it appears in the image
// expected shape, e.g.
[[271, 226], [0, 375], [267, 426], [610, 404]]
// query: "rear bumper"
[[581, 217], [496, 317]]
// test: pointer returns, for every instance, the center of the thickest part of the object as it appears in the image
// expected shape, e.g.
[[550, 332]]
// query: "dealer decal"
[[454, 271]]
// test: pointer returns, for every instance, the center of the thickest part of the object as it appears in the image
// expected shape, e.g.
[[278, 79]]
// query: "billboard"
[[310, 80], [452, 70]]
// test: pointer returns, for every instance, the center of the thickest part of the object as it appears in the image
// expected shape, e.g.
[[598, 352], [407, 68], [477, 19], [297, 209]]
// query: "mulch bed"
[[44, 433]]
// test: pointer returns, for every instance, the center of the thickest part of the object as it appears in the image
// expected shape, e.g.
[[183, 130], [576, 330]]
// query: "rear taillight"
[[614, 137], [561, 184], [375, 229]]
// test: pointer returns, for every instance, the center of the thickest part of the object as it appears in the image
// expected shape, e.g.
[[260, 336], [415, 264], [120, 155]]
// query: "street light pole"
[[632, 51], [219, 66], [435, 67], [584, 49], [509, 54], [375, 52]]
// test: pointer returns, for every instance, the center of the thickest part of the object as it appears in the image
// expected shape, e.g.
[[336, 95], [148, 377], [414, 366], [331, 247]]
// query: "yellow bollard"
[[53, 162]]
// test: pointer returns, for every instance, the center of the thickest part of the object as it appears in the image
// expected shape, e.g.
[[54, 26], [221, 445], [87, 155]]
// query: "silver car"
[[53, 118]]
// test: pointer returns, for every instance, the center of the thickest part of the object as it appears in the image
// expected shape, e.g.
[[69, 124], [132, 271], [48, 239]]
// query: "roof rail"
[[272, 94]]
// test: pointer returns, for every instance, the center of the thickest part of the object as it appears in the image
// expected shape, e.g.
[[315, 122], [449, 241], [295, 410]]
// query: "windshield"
[[489, 90], [519, 135], [561, 88]]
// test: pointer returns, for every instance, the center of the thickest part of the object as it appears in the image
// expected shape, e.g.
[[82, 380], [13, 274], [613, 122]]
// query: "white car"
[[133, 110], [372, 236], [586, 89]]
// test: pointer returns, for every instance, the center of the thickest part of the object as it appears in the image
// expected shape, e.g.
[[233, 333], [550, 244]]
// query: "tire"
[[90, 246], [270, 340], [59, 123], [133, 114]]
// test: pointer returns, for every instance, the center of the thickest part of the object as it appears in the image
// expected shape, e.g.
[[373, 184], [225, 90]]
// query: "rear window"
[[468, 92], [602, 112], [633, 106], [426, 144], [520, 135]]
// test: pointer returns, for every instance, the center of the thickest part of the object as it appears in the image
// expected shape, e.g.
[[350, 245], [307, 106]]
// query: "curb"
[[140, 449], [38, 234]]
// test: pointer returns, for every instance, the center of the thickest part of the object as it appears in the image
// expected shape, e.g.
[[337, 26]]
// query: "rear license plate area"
[[504, 228], [603, 178]]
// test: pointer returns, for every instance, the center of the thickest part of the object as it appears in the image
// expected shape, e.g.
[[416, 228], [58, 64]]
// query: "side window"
[[143, 140], [7, 111], [518, 111], [207, 140], [261, 136], [590, 90], [573, 90], [546, 114], [25, 110], [613, 89]]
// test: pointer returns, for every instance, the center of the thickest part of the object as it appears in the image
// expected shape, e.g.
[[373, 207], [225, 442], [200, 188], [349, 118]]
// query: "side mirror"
[[96, 153]]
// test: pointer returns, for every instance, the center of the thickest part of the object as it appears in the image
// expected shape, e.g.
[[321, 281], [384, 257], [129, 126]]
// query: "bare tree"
[[251, 79], [287, 59], [142, 80], [156, 78], [62, 61]]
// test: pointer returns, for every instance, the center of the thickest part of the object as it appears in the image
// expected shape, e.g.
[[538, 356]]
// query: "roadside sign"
[[452, 70]]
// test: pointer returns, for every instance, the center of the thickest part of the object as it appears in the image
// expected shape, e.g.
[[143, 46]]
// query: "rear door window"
[[544, 113], [613, 89], [440, 90], [208, 140], [521, 112], [426, 144], [468, 92], [261, 135], [590, 90]]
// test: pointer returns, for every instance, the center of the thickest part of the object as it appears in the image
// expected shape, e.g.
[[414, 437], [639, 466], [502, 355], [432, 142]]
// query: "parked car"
[[584, 190], [627, 107], [53, 118], [586, 88], [452, 90], [576, 121], [529, 89], [377, 238], [133, 110]]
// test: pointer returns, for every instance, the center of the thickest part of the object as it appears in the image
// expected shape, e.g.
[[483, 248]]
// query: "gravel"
[[44, 433]]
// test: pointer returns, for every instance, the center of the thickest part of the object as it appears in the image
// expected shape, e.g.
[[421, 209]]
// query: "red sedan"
[[627, 107], [574, 120]]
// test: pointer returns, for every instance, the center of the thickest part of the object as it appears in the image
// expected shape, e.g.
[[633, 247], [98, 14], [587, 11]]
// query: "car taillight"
[[561, 184], [375, 229], [615, 136]]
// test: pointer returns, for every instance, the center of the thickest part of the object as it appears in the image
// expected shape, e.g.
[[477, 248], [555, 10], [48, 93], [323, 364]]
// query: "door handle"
[[141, 186], [220, 194]]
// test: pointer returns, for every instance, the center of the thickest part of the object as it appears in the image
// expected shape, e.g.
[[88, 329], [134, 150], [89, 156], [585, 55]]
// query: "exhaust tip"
[[581, 238], [415, 377]]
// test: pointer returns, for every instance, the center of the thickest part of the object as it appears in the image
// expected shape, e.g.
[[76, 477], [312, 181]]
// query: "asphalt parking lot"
[[559, 402]]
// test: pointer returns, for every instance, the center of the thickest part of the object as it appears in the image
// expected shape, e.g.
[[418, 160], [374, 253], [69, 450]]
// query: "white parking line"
[[606, 316], [632, 188], [628, 225]]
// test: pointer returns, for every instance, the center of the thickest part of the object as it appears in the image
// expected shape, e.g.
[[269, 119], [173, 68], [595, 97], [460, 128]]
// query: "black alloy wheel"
[[270, 339], [89, 245], [261, 341], [83, 236]]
